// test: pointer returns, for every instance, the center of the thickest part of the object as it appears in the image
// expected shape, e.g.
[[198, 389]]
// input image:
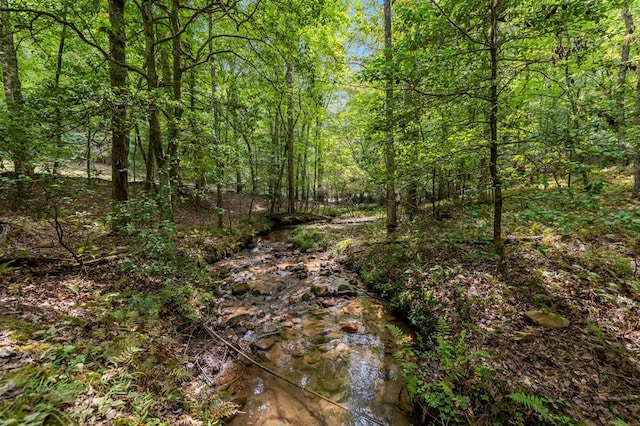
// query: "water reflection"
[[301, 317]]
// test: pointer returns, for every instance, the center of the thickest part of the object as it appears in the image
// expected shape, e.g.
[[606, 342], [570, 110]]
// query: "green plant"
[[443, 393], [44, 391], [306, 238], [541, 406]]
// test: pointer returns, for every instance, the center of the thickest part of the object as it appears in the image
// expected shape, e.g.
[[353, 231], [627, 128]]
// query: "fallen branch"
[[297, 218], [63, 262], [32, 261], [291, 382]]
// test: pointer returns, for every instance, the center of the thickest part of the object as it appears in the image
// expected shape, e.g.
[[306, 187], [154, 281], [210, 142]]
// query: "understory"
[[99, 328]]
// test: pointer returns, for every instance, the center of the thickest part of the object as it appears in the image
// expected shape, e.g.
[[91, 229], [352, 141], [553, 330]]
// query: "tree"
[[18, 148], [392, 220], [118, 78]]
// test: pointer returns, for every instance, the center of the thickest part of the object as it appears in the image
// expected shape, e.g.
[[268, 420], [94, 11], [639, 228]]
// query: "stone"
[[332, 385], [237, 318], [547, 319], [7, 352], [350, 327], [312, 358], [319, 290], [266, 343], [526, 335], [239, 289]]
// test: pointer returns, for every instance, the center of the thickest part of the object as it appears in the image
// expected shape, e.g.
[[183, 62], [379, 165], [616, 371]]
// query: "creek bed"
[[305, 317]]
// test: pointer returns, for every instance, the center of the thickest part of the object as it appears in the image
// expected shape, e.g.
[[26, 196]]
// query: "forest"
[[315, 212]]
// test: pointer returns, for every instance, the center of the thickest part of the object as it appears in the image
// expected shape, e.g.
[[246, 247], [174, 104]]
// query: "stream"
[[305, 317]]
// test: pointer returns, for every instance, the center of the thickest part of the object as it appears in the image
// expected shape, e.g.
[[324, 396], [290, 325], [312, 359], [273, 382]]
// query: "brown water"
[[305, 317]]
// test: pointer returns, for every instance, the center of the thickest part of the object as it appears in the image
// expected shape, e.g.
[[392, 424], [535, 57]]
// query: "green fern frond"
[[143, 403], [442, 328], [224, 409], [128, 355], [618, 422], [397, 333], [181, 374], [532, 402]]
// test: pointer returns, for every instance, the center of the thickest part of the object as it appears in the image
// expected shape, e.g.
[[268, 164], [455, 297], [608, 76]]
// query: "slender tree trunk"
[[291, 184], [273, 162], [317, 164], [304, 183], [434, 211], [392, 215], [155, 154], [624, 62], [624, 67], [57, 136], [13, 97], [636, 157], [494, 46], [118, 77], [215, 106], [88, 164], [175, 114]]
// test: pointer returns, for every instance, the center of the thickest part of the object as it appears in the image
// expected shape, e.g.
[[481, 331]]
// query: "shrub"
[[306, 238]]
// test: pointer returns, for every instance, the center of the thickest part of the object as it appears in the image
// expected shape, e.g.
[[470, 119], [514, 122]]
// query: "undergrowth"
[[123, 361], [441, 275], [306, 238]]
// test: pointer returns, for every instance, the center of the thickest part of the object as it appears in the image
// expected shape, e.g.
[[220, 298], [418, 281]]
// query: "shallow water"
[[305, 317]]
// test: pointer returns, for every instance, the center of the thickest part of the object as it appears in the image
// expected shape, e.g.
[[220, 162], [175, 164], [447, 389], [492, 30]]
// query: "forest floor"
[[572, 254], [98, 328]]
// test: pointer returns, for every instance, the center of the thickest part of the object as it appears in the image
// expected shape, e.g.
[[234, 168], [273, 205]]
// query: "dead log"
[[297, 218]]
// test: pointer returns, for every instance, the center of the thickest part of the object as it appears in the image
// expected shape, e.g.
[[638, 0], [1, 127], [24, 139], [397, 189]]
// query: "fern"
[[181, 374], [128, 355], [142, 403], [534, 403], [224, 409], [618, 422]]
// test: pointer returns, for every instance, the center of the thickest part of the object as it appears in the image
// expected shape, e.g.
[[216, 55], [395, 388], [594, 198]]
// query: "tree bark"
[[624, 60], [318, 165], [155, 154], [175, 112], [291, 184], [636, 157], [392, 218], [118, 77], [494, 46], [58, 113], [13, 96], [215, 106]]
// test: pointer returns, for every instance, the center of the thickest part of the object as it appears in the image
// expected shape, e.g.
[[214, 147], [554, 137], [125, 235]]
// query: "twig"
[[291, 382], [620, 398]]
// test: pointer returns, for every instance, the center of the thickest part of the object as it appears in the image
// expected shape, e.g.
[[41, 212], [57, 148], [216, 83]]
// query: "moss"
[[22, 330]]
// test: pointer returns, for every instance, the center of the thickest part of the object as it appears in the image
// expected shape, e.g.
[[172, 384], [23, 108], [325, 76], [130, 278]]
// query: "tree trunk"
[[624, 62], [118, 77], [57, 133], [215, 106], [155, 154], [274, 183], [175, 112], [494, 46], [13, 96], [636, 157], [392, 218], [318, 165], [291, 184]]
